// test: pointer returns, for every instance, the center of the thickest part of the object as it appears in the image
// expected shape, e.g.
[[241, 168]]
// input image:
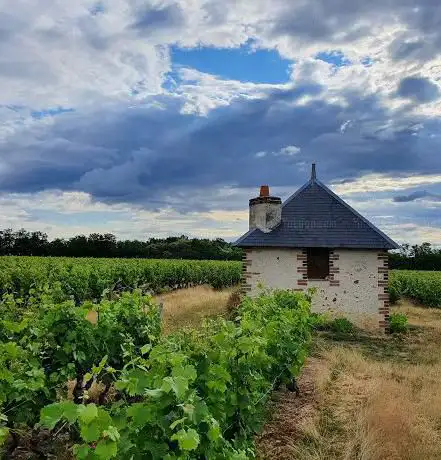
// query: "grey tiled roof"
[[316, 217]]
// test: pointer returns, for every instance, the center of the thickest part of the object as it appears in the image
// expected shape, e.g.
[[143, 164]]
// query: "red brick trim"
[[245, 286], [302, 269], [334, 269], [383, 293]]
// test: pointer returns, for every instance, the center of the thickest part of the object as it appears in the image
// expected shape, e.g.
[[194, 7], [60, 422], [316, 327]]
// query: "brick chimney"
[[265, 211]]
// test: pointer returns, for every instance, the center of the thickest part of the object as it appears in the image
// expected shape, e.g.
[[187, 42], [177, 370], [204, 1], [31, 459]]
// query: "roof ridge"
[[350, 208], [285, 235], [249, 232], [294, 195]]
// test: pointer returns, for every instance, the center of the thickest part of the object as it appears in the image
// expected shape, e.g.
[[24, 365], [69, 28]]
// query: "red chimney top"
[[264, 190]]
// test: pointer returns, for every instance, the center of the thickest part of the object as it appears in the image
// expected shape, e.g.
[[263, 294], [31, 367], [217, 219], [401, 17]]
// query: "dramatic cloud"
[[419, 89], [95, 104], [416, 196]]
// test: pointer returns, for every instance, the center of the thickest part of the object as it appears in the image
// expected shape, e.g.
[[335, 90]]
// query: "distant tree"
[[416, 257], [22, 243]]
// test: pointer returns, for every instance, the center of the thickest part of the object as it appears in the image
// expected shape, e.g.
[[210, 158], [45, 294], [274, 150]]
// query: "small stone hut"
[[315, 239]]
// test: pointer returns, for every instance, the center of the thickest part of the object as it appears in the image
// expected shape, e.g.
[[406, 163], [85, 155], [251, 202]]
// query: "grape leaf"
[[81, 452], [70, 411], [214, 431], [87, 413], [188, 372], [50, 415], [156, 393], [187, 439], [105, 449], [179, 385], [4, 433], [111, 433], [177, 422], [90, 432]]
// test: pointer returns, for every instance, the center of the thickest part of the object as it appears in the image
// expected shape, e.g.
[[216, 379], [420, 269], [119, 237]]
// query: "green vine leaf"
[[187, 439], [179, 385], [106, 450], [177, 422], [111, 433], [53, 413], [214, 433], [81, 452], [4, 434], [87, 413]]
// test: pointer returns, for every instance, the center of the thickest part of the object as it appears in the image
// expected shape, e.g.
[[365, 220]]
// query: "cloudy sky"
[[152, 118]]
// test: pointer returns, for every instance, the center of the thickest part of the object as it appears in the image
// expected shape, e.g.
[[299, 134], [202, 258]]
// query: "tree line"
[[25, 243], [416, 257]]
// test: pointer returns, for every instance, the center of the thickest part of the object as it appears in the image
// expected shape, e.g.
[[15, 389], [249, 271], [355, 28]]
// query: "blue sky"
[[242, 64], [160, 117]]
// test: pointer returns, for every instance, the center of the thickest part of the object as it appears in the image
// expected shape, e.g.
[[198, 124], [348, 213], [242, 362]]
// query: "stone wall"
[[356, 287]]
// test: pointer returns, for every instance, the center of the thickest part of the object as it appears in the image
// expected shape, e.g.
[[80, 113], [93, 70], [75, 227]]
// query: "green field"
[[116, 387], [423, 287], [82, 353], [88, 278]]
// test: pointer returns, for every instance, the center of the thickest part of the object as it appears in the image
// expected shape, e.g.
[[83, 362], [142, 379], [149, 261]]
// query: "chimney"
[[265, 211]]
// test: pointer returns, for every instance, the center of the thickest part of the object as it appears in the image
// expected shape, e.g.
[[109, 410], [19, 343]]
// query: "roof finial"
[[313, 173]]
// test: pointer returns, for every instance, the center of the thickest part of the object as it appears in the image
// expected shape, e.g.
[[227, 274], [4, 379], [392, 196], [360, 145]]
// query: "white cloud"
[[384, 183], [62, 214], [288, 151], [57, 54]]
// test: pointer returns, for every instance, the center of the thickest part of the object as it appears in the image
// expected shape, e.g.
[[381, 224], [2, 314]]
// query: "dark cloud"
[[416, 196], [145, 155], [340, 21], [417, 50], [166, 17], [419, 89]]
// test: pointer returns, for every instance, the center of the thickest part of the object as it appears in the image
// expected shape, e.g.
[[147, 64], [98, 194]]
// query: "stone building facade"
[[319, 242]]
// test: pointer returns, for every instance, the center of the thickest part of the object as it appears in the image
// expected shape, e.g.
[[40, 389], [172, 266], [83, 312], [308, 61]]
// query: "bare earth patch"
[[364, 397], [278, 439], [188, 307]]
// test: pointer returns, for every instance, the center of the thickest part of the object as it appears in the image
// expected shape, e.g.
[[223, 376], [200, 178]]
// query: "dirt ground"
[[364, 397], [188, 307]]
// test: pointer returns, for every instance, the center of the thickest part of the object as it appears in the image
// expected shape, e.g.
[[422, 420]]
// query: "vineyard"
[[86, 371], [423, 287], [117, 388], [88, 278]]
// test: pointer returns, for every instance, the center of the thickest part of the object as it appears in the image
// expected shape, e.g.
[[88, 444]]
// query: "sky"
[[157, 118]]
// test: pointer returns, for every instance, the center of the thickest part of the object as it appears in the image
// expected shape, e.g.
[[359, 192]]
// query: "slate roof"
[[316, 217]]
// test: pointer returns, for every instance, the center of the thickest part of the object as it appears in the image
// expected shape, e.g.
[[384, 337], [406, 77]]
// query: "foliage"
[[341, 326], [196, 394], [398, 323], [323, 322], [416, 257], [46, 344], [24, 243], [320, 321], [85, 279], [421, 286]]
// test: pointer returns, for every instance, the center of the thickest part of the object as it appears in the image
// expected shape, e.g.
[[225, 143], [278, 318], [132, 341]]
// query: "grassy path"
[[364, 397], [188, 307]]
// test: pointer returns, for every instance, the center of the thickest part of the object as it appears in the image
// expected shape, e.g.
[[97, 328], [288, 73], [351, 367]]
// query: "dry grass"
[[188, 307], [369, 402]]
